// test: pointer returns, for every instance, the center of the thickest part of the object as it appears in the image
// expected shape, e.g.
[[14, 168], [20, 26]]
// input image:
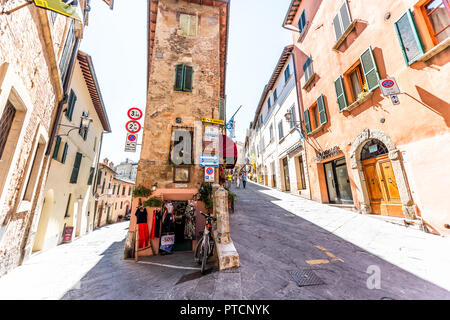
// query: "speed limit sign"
[[135, 113], [133, 126]]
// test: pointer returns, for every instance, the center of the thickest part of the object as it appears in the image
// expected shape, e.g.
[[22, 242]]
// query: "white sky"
[[117, 42]]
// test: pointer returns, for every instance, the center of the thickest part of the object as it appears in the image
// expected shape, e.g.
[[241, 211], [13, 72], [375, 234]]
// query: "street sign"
[[68, 234], [133, 126], [209, 174], [389, 87], [211, 133], [134, 113], [214, 121], [395, 100], [207, 160], [68, 8], [131, 142]]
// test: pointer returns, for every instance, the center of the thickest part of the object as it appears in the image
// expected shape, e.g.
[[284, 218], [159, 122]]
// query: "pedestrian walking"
[[238, 181], [244, 180], [229, 180]]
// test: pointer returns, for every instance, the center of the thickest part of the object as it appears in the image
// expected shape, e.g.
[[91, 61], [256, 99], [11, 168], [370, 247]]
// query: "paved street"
[[274, 233]]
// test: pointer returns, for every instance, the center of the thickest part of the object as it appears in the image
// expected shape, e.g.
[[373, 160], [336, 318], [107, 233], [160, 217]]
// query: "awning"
[[229, 153]]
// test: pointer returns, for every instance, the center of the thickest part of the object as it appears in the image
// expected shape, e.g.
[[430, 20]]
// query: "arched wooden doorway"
[[380, 180]]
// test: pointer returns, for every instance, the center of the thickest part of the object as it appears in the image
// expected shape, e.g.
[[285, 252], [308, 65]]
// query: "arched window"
[[373, 149]]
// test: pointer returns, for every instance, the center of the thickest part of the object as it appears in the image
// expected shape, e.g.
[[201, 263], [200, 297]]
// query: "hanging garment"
[[189, 229], [141, 216], [168, 224], [143, 236], [156, 229]]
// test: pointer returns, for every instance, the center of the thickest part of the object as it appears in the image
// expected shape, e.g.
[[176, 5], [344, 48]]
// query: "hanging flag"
[[230, 127], [110, 3], [69, 8]]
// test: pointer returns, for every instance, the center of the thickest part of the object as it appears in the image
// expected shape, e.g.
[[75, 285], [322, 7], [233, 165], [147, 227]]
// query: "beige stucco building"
[[69, 194]]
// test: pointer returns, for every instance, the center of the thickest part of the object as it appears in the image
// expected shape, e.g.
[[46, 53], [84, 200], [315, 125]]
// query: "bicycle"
[[205, 245]]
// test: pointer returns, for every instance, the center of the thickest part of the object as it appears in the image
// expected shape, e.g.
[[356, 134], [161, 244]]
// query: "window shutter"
[[222, 109], [409, 38], [76, 168], [340, 93], [287, 74], [370, 69], [307, 122], [275, 96], [280, 130], [268, 103], [64, 155], [345, 16], [307, 69], [71, 104], [193, 25], [56, 151], [302, 22], [187, 83], [184, 24], [322, 110], [179, 71], [337, 27], [293, 117], [99, 177], [91, 176]]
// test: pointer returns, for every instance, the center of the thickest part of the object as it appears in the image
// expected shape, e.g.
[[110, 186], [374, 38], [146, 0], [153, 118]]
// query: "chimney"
[[105, 161], [111, 165]]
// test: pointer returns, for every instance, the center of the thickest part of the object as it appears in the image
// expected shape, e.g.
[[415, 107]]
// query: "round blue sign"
[[131, 137], [209, 171], [387, 83]]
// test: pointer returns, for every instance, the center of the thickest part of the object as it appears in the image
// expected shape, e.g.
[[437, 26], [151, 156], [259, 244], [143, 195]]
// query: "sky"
[[117, 42]]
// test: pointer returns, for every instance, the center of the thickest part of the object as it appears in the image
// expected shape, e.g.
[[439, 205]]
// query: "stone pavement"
[[274, 233]]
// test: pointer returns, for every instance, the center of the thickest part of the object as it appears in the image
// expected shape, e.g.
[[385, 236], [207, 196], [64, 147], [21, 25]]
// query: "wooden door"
[[382, 187]]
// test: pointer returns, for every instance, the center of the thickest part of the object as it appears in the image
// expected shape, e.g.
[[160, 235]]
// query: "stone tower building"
[[186, 81]]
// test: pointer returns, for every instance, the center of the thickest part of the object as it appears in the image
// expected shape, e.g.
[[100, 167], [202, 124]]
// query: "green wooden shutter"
[[370, 69], [91, 176], [76, 168], [340, 93], [408, 37], [64, 156], [193, 25], [71, 104], [187, 83], [302, 22], [307, 122], [179, 71], [322, 110], [184, 24], [56, 151]]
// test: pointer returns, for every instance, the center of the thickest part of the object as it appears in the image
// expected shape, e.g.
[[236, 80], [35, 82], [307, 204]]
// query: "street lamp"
[[85, 122], [297, 124]]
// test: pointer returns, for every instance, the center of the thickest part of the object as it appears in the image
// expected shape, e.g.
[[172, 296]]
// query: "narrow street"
[[274, 233]]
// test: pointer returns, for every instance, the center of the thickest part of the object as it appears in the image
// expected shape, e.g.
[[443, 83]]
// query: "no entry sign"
[[135, 113], [133, 126]]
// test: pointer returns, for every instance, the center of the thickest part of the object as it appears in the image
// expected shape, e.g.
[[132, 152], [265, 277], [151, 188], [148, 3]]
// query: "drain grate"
[[305, 278]]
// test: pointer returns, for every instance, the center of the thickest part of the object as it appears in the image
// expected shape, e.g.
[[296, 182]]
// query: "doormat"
[[305, 278]]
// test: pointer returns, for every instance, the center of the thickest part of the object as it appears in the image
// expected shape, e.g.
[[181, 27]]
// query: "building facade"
[[127, 169], [37, 49], [364, 150], [280, 159], [69, 190]]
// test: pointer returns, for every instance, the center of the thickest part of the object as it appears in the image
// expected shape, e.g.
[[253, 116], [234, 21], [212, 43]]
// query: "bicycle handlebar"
[[207, 216]]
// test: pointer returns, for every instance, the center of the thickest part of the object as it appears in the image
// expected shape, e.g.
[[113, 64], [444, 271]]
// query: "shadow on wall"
[[435, 104]]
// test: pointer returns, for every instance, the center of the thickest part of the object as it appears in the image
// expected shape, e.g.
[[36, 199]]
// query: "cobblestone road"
[[275, 233]]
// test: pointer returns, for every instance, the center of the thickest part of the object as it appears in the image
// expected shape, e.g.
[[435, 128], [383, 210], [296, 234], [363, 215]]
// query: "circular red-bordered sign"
[[133, 126], [135, 113], [210, 171], [132, 137], [387, 84]]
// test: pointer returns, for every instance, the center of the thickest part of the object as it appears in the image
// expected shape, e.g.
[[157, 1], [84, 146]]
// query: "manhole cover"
[[305, 278]]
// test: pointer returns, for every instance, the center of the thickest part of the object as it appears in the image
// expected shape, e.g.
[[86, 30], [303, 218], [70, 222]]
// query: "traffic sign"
[[207, 160], [133, 126], [131, 142], [214, 121], [135, 113], [389, 87], [209, 174], [395, 100]]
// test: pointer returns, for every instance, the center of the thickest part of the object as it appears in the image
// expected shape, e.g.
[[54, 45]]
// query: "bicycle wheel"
[[205, 251], [197, 253]]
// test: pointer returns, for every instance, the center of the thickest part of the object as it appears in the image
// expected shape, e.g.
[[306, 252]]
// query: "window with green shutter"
[[76, 168], [342, 21], [322, 110], [91, 176], [275, 95], [302, 22], [188, 24], [307, 122], [340, 93], [64, 155], [56, 150], [287, 74], [409, 38], [183, 78], [370, 69], [71, 105]]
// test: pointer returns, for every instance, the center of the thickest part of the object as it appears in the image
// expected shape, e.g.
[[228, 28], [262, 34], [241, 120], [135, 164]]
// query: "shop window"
[[76, 168], [188, 25], [342, 21], [183, 78], [316, 115], [361, 78]]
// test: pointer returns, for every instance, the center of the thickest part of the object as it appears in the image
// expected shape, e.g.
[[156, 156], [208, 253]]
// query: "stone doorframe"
[[358, 174]]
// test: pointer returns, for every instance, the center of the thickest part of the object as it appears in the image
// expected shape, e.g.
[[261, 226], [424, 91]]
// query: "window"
[[118, 189], [6, 122], [301, 181], [437, 16], [316, 115], [64, 155], [271, 132], [409, 38], [362, 76], [183, 78], [53, 16], [67, 52], [123, 190], [83, 131], [115, 206], [91, 176], [99, 178], [268, 103], [302, 22], [293, 117], [56, 151], [287, 74], [308, 69], [129, 191], [188, 25], [114, 189], [68, 206], [342, 21], [275, 95], [280, 130], [103, 186], [71, 105], [34, 172], [121, 204], [76, 168]]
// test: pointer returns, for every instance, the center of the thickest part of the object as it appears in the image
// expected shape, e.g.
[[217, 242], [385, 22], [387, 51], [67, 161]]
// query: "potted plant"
[[205, 195], [153, 202], [231, 198]]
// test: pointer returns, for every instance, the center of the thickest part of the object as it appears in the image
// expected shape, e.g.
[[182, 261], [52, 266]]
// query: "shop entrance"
[[287, 182], [380, 180], [338, 182], [181, 244]]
